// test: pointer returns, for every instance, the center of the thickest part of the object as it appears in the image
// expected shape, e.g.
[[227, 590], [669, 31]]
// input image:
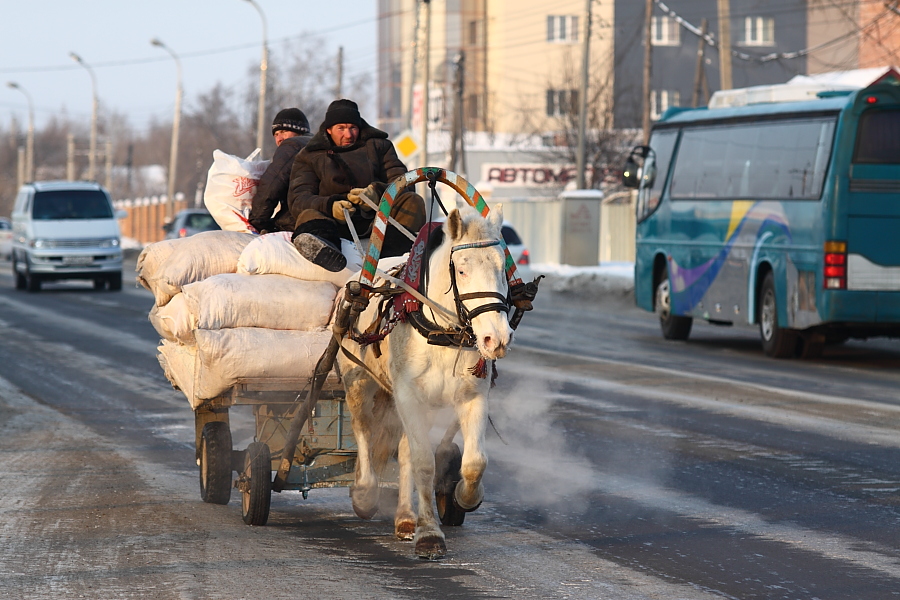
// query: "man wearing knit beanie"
[[290, 128], [345, 163]]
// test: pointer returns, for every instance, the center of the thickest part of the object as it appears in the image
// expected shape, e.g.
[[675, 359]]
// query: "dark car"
[[189, 222]]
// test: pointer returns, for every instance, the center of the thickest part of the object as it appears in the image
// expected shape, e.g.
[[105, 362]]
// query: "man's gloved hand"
[[337, 209], [355, 195]]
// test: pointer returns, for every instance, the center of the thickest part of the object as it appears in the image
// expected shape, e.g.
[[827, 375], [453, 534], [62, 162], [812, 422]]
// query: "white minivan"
[[66, 230]]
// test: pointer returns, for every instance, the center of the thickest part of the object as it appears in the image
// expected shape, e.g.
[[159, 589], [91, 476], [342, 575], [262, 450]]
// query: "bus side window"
[[656, 168]]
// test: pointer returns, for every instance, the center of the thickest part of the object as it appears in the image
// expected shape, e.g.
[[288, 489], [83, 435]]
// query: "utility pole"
[[413, 69], [426, 68], [700, 72], [724, 44], [70, 157], [456, 136], [338, 92], [648, 67], [582, 100]]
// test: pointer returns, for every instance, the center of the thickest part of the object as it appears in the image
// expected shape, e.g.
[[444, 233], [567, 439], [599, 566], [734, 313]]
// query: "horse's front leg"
[[405, 517], [472, 415], [429, 539]]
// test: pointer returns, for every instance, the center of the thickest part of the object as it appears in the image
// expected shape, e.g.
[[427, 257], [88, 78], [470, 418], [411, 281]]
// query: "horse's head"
[[477, 266]]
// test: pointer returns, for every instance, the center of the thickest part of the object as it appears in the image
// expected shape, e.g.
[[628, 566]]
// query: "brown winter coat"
[[323, 173]]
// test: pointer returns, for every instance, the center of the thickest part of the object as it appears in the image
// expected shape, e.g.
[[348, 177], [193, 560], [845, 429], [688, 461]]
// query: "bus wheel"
[[777, 342], [673, 327]]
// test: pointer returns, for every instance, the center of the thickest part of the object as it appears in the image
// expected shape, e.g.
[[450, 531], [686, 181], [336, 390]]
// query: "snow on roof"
[[800, 87]]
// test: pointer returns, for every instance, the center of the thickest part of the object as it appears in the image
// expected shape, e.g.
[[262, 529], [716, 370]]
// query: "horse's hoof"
[[468, 506], [405, 530], [431, 547], [365, 505]]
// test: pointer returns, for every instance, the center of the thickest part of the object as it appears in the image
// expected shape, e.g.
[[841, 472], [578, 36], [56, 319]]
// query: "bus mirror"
[[631, 174]]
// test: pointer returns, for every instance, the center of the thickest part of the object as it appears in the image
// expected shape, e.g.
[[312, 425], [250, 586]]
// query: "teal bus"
[[782, 215]]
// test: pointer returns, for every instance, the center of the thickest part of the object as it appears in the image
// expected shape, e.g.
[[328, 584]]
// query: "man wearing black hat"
[[346, 159], [291, 131]]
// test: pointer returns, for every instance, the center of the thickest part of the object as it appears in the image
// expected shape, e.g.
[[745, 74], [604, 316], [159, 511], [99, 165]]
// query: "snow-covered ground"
[[611, 277]]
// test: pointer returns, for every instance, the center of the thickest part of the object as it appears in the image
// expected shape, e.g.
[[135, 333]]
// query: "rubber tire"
[[777, 342], [99, 284], [215, 463], [447, 464], [673, 327], [32, 283], [115, 282], [255, 503], [21, 282]]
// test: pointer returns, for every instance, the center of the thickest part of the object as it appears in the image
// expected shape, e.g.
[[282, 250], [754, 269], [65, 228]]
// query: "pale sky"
[[216, 40]]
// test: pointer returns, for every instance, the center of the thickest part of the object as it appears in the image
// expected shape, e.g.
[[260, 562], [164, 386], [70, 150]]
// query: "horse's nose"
[[494, 346]]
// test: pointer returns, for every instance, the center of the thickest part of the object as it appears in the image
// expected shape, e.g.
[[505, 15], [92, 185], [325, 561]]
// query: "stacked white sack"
[[274, 253], [165, 267], [229, 300], [222, 357]]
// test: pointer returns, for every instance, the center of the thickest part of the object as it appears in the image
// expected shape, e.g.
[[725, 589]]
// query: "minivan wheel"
[[32, 282], [20, 279], [99, 283], [115, 282]]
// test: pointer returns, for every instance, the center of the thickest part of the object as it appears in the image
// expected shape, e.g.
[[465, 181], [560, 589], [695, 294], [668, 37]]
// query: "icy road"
[[622, 467]]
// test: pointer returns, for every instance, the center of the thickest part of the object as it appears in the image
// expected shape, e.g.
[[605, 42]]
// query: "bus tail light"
[[835, 275]]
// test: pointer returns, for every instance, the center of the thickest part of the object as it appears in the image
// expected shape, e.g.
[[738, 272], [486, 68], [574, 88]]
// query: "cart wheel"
[[215, 463], [255, 484], [447, 463]]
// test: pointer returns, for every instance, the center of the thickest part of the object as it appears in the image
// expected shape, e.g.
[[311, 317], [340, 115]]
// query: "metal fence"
[[146, 217], [539, 223]]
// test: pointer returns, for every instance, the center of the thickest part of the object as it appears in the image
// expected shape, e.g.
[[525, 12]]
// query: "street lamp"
[[263, 67], [176, 124], [92, 156], [29, 140]]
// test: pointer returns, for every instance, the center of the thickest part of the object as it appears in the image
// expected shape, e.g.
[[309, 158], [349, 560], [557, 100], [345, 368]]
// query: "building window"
[[562, 29], [475, 37], [665, 31], [475, 106], [562, 102], [759, 31], [661, 100]]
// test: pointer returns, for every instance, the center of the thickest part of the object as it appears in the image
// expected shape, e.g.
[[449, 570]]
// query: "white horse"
[[467, 267]]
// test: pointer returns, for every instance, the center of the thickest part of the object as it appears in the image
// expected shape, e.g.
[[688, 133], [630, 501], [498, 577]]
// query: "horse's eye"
[[461, 272]]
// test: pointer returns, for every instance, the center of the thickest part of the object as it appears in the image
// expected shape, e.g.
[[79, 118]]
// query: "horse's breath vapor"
[[540, 466]]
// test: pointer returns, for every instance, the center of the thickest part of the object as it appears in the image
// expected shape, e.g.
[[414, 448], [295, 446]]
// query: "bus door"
[[873, 202]]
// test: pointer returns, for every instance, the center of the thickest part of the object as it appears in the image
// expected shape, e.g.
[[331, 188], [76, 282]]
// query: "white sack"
[[173, 321], [195, 258], [230, 186], [221, 357], [274, 253], [267, 301], [149, 260]]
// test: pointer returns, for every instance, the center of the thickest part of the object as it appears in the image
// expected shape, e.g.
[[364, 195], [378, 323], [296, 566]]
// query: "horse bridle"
[[465, 315]]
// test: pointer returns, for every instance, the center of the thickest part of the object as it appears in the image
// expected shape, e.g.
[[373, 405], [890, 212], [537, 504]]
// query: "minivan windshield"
[[71, 204]]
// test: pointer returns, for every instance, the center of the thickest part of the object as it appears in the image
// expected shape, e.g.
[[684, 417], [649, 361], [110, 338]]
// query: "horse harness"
[[397, 306]]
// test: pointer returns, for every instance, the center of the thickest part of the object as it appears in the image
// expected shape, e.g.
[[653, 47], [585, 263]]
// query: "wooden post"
[[648, 68], [724, 44]]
